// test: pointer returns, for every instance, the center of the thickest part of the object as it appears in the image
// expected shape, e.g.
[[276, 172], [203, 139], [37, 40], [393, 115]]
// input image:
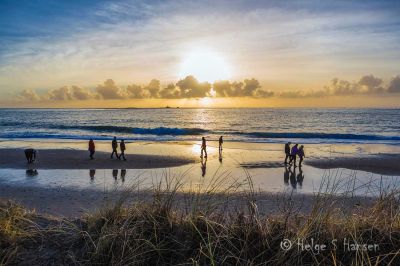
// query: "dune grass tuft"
[[212, 224]]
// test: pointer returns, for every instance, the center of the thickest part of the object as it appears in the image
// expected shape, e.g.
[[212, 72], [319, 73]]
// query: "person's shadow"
[[203, 166], [286, 175]]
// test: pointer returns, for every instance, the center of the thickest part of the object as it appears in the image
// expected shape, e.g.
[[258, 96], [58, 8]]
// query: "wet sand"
[[79, 159], [384, 164], [69, 202]]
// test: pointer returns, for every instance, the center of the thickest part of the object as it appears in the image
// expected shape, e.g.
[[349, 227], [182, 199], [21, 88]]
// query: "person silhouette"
[[114, 146], [203, 166], [122, 148], [123, 174], [115, 173], [92, 149], [287, 151], [300, 177], [220, 142], [293, 180], [301, 154], [286, 176], [30, 155], [203, 147], [92, 173], [293, 154]]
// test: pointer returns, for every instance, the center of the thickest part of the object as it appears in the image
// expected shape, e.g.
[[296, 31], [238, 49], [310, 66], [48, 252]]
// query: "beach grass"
[[213, 224]]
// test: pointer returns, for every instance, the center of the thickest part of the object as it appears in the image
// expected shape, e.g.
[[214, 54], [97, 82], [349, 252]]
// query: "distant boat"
[[167, 106]]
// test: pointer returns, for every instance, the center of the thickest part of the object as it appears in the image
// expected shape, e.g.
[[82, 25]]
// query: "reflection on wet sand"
[[115, 173], [123, 174], [92, 173], [203, 166], [300, 177], [32, 172], [290, 175], [286, 176]]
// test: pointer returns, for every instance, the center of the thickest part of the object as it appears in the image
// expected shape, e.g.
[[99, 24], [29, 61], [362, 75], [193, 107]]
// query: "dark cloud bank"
[[190, 87]]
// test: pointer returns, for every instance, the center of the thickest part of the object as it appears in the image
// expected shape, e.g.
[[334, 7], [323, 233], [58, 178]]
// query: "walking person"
[[287, 151], [220, 142], [30, 155], [122, 148], [92, 149], [301, 154], [114, 145], [293, 154], [203, 147]]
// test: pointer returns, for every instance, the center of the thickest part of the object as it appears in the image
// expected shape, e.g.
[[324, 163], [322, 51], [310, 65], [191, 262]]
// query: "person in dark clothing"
[[220, 142], [293, 154], [30, 155], [287, 151], [114, 145], [301, 154], [122, 148], [203, 147], [92, 149]]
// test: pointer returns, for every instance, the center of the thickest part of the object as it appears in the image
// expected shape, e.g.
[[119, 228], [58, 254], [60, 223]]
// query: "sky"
[[233, 53]]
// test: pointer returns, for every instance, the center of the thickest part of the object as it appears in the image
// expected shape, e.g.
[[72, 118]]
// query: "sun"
[[205, 65]]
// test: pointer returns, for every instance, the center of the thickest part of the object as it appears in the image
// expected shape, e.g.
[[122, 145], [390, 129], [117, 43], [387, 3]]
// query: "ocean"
[[168, 124]]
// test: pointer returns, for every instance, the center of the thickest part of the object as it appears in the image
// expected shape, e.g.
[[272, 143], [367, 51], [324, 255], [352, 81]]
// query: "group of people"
[[204, 147], [293, 152], [114, 146]]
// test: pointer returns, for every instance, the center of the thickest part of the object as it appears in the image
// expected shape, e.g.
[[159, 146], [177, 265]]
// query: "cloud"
[[110, 91], [28, 95], [153, 88], [371, 84], [248, 88], [82, 94], [137, 92], [367, 84], [190, 87], [305, 94], [61, 94], [394, 85], [170, 92]]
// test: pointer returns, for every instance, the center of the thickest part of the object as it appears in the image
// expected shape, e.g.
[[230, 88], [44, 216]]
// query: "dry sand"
[[79, 159], [64, 202]]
